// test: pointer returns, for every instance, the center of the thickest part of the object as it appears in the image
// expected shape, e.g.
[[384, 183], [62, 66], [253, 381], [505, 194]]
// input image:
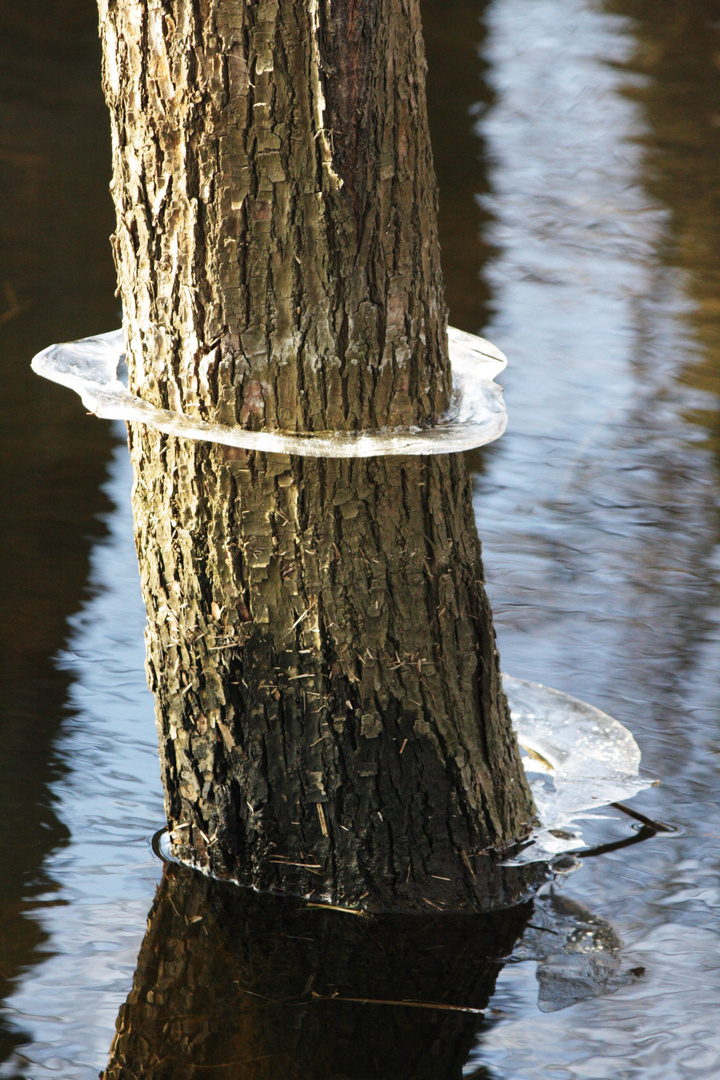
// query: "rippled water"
[[599, 512], [110, 798], [578, 161]]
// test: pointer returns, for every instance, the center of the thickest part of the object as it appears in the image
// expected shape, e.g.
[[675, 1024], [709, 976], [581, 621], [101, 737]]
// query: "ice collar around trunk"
[[577, 760], [94, 368]]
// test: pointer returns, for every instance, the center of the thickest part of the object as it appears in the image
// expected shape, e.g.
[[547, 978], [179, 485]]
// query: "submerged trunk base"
[[484, 885]]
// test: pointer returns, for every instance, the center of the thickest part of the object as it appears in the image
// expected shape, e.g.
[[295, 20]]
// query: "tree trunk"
[[330, 714]]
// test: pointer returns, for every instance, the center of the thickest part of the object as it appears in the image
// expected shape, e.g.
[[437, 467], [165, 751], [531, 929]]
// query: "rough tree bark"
[[330, 715]]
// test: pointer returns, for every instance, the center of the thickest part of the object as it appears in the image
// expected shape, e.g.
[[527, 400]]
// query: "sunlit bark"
[[330, 714]]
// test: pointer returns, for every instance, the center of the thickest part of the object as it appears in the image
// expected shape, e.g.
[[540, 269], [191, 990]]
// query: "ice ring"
[[92, 366]]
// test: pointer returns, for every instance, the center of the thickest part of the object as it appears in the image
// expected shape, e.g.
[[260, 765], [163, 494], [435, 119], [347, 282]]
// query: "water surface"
[[576, 147]]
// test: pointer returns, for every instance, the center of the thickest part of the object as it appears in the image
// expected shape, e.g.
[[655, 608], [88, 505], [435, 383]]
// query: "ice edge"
[[478, 416], [580, 760]]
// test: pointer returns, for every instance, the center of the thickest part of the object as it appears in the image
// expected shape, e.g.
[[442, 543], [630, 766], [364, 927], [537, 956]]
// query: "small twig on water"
[[343, 910], [407, 1004], [658, 826]]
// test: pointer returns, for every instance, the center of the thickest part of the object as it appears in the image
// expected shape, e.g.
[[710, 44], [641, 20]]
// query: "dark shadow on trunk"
[[329, 702]]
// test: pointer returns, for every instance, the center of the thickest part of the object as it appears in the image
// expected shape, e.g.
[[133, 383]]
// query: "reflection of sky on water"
[[598, 514], [111, 800], [595, 470]]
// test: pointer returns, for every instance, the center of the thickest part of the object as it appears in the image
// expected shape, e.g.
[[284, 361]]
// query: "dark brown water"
[[578, 152]]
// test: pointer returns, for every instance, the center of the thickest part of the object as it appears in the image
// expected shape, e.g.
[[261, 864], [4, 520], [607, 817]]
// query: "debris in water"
[[93, 368]]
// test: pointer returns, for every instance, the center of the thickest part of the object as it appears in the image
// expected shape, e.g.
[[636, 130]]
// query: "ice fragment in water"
[[578, 954], [92, 367], [585, 760]]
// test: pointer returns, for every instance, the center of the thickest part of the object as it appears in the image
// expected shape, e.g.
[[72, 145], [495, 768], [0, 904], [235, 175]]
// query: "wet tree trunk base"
[[330, 712]]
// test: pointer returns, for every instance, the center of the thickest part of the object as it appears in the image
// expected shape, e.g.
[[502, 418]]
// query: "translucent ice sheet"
[[578, 760], [93, 368]]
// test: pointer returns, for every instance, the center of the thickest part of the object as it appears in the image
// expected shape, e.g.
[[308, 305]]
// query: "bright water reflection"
[[111, 800], [600, 209], [599, 512]]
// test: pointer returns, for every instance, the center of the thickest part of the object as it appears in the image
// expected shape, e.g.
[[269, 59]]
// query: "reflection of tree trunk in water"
[[231, 984], [675, 78], [458, 89], [320, 646]]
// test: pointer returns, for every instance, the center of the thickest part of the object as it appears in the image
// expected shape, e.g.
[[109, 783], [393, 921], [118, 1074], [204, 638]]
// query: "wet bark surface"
[[232, 983], [330, 714]]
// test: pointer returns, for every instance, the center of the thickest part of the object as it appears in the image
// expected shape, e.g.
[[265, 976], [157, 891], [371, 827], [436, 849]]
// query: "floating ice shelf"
[[578, 761]]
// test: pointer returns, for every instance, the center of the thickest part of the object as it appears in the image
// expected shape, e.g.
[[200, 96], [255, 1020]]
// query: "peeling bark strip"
[[329, 709]]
